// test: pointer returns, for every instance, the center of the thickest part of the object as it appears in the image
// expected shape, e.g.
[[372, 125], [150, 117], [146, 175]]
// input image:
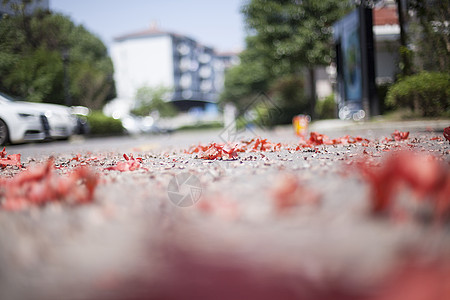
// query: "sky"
[[215, 23]]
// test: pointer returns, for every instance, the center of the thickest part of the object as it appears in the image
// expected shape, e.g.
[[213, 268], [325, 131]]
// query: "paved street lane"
[[360, 213]]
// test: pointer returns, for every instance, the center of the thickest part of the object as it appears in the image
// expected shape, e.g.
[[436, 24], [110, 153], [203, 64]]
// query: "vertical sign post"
[[353, 38]]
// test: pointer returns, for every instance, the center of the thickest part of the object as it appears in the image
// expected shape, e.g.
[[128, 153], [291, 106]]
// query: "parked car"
[[81, 113], [60, 118], [21, 122], [137, 125], [62, 123]]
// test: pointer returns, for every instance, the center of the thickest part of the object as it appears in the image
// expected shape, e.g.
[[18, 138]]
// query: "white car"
[[20, 122], [61, 121], [60, 118]]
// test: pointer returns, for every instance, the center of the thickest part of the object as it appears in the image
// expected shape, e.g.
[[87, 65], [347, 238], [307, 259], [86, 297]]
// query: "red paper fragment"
[[258, 144], [130, 164], [426, 177], [399, 135], [317, 139], [41, 185], [290, 193], [447, 133], [229, 152], [214, 151], [9, 160]]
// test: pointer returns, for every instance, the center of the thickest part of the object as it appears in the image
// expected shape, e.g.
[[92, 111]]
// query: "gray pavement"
[[178, 140], [289, 224]]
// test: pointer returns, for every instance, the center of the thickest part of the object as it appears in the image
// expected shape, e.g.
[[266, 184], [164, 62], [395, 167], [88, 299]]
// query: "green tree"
[[285, 37], [149, 99], [250, 77], [31, 60], [430, 32]]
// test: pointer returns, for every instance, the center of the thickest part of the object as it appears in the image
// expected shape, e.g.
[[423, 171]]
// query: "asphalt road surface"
[[364, 217], [183, 139]]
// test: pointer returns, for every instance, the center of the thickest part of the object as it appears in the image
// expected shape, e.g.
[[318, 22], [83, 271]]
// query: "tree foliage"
[[251, 76], [426, 93], [32, 49], [295, 32], [430, 30], [284, 37], [149, 99]]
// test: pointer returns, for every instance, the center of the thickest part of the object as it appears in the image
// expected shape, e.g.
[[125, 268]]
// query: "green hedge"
[[426, 93], [102, 125], [326, 108], [202, 126]]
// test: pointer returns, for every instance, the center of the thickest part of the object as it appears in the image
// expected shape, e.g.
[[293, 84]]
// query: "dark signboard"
[[355, 62]]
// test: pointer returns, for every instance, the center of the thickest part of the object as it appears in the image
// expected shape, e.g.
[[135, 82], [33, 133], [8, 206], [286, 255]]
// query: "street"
[[337, 217], [183, 139]]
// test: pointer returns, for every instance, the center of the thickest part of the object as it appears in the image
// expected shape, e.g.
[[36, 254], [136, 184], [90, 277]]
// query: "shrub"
[[202, 126], [326, 108], [382, 89], [102, 125], [427, 93], [289, 95], [150, 99]]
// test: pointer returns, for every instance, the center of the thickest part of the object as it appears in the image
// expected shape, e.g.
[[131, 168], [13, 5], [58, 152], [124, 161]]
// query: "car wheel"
[[3, 133]]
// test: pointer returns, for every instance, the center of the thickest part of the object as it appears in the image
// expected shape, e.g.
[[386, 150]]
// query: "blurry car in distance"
[[20, 122], [60, 118], [81, 113], [135, 125]]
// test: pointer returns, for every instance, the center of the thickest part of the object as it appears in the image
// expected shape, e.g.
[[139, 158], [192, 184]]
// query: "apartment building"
[[157, 58]]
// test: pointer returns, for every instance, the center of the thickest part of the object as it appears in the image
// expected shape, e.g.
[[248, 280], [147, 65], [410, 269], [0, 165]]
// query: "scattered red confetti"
[[447, 133], [399, 135], [436, 138], [229, 152], [317, 139], [42, 184], [130, 164], [423, 174], [9, 160], [257, 144], [80, 159], [290, 193], [76, 157], [214, 151]]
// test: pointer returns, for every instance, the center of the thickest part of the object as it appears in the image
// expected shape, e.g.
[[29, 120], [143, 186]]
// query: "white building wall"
[[142, 62], [323, 83], [386, 65]]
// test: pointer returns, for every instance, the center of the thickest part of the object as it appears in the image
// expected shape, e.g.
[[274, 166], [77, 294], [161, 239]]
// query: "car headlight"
[[49, 114]]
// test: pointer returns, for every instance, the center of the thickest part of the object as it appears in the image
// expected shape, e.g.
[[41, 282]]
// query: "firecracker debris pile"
[[342, 218]]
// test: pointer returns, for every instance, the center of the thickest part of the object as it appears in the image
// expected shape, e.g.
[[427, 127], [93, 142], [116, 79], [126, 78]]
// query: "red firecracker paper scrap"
[[42, 184], [290, 192], [230, 152], [317, 139], [130, 164], [214, 151], [9, 160], [426, 177], [258, 144], [447, 133], [399, 135]]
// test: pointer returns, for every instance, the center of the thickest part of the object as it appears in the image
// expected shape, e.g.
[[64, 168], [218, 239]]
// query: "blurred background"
[[151, 67]]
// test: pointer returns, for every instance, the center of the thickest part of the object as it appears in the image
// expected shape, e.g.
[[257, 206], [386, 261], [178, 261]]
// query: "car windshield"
[[6, 97]]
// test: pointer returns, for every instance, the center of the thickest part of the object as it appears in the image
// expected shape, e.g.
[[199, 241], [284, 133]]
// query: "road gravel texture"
[[292, 222]]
